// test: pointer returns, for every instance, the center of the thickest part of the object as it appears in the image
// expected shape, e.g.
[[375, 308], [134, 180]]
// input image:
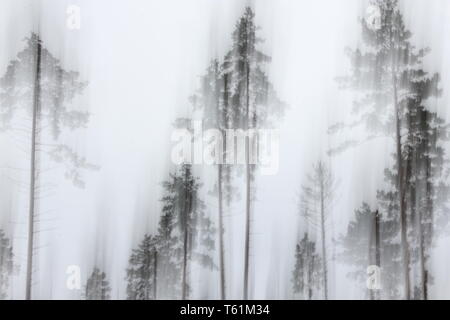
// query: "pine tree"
[[213, 101], [37, 87], [317, 195], [186, 233], [142, 273], [6, 264], [97, 286], [370, 241], [307, 274], [251, 103], [387, 72]]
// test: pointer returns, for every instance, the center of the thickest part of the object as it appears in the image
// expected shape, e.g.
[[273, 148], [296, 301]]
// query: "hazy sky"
[[143, 59]]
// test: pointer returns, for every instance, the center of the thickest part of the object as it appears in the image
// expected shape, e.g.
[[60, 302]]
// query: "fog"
[[142, 61]]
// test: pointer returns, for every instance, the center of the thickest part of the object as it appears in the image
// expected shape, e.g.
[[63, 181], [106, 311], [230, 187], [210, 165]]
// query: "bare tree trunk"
[[310, 271], [376, 255], [220, 187], [401, 191], [155, 275], [248, 190], [185, 254], [322, 227], [33, 173], [429, 193], [221, 232], [186, 215], [423, 271]]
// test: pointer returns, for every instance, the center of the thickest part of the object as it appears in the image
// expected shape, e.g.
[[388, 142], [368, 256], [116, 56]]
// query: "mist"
[[142, 62]]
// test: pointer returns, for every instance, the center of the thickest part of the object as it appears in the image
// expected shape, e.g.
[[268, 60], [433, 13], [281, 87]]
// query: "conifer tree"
[[38, 88], [97, 286], [251, 104], [307, 274], [186, 233], [142, 273], [393, 91]]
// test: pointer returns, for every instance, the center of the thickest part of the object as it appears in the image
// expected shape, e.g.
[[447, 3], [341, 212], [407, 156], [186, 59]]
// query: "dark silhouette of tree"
[[370, 241], [6, 264], [393, 89], [36, 87], [251, 104], [142, 271], [186, 232], [307, 276], [97, 286]]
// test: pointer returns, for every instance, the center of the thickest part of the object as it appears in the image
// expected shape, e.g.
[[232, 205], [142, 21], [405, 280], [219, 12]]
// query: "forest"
[[324, 170]]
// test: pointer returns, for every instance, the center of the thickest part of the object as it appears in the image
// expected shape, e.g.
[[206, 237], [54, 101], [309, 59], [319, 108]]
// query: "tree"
[[142, 271], [6, 264], [370, 241], [307, 274], [212, 99], [97, 286], [185, 232], [387, 73], [317, 195], [37, 87], [251, 103]]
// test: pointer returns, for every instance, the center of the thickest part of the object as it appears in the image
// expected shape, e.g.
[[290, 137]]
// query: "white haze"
[[143, 60]]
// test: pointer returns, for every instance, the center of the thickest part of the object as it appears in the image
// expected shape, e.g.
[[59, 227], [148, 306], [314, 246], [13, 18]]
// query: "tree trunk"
[[221, 232], [401, 191], [423, 277], [155, 275], [186, 215], [324, 249], [376, 255], [310, 263], [33, 173], [185, 251], [248, 189], [222, 121]]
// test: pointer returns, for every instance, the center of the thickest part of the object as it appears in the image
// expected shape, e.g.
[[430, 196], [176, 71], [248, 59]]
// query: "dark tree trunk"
[[186, 236], [248, 189], [33, 172], [155, 275], [221, 234], [323, 234]]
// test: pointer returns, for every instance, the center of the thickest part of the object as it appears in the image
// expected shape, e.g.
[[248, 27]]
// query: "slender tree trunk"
[[310, 271], [423, 277], [155, 275], [33, 173], [429, 201], [248, 189], [221, 119], [401, 191], [221, 234], [324, 249], [375, 293], [185, 254], [186, 214]]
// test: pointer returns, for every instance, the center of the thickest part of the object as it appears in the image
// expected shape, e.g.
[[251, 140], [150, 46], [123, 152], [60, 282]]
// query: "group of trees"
[[394, 94], [397, 235], [235, 93], [159, 267], [310, 275]]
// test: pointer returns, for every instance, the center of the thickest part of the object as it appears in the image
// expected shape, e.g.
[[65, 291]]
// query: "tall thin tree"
[[37, 84]]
